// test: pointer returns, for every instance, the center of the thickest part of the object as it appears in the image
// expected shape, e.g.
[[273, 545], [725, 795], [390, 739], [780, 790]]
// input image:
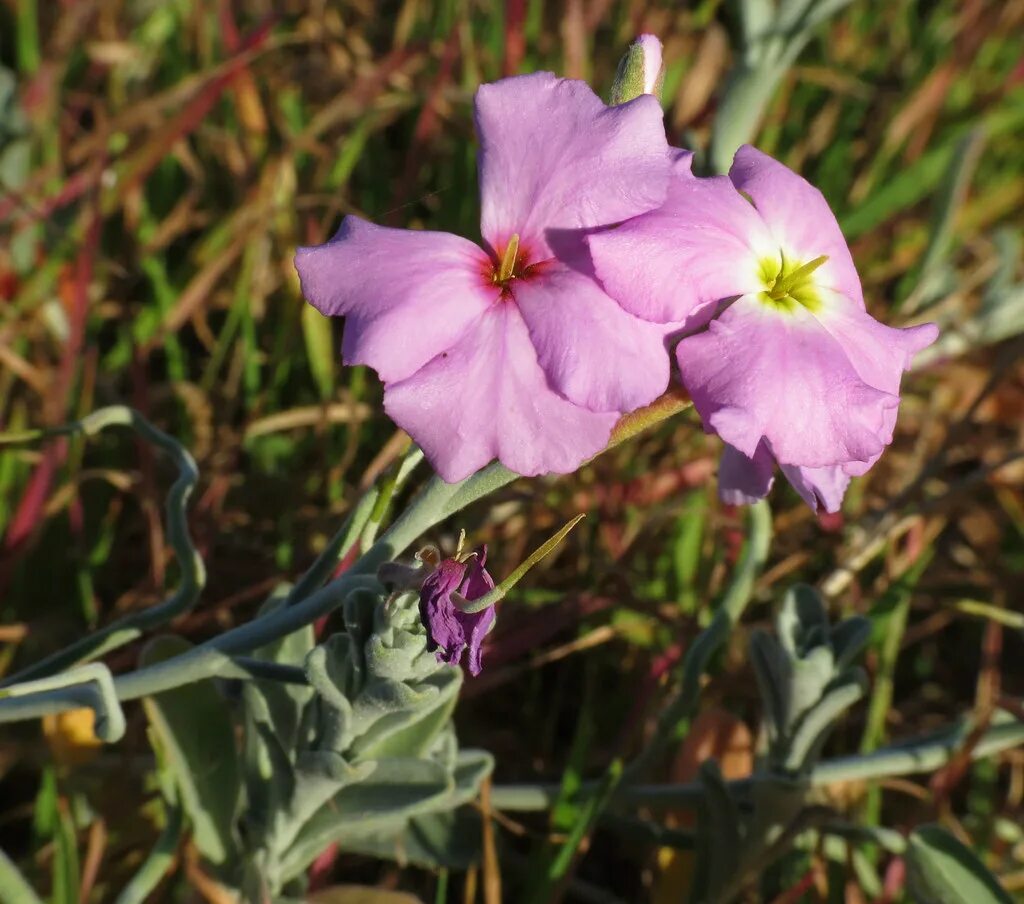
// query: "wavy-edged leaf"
[[382, 803]]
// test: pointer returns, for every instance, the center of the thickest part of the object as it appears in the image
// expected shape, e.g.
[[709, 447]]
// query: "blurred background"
[[159, 162]]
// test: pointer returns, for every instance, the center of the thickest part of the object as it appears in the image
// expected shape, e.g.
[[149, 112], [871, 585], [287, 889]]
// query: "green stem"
[[921, 756], [895, 626], [769, 46], [387, 493], [159, 861], [586, 819], [500, 592], [677, 715], [341, 544]]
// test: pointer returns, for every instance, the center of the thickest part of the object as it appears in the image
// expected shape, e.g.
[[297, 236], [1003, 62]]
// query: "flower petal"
[[475, 627], [488, 398], [758, 373], [879, 353], [438, 614], [407, 296], [478, 581], [799, 218], [593, 352], [743, 480], [553, 156], [702, 245], [820, 488]]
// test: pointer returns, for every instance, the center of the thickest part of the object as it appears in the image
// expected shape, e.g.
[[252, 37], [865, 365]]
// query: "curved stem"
[[193, 574], [156, 865]]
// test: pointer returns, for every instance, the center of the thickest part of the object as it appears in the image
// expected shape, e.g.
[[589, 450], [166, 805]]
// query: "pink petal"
[[743, 480], [593, 352], [407, 296], [879, 353], [799, 218], [702, 245], [488, 398], [553, 156], [759, 374], [820, 488]]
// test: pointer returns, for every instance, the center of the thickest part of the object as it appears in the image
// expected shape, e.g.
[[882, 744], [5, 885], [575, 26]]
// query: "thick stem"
[[906, 759]]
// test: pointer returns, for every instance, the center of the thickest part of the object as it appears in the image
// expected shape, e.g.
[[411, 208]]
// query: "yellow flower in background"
[[72, 736]]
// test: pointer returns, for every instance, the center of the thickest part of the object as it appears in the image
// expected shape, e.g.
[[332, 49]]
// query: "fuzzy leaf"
[[192, 727], [719, 819], [382, 803], [816, 724]]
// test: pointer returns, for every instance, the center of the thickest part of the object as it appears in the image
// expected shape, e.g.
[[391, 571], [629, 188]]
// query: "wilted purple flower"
[[510, 351], [792, 369], [449, 629]]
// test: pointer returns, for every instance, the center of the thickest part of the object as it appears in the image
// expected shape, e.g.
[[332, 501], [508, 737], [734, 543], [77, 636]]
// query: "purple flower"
[[792, 369], [510, 351], [449, 629]]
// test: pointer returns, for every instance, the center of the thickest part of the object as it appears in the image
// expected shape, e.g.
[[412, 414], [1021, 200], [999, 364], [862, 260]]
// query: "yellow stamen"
[[508, 259], [786, 283]]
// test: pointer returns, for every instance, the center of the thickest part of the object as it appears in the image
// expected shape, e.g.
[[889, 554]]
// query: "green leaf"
[[15, 888], [65, 861], [316, 331], [721, 836], [285, 702], [382, 803], [192, 730], [409, 728], [941, 870], [445, 840], [815, 725]]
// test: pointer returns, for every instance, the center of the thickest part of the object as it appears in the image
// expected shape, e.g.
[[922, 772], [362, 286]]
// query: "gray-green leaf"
[[192, 729], [941, 870]]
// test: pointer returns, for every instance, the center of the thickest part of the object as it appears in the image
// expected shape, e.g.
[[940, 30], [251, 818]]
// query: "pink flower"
[[792, 369], [511, 350]]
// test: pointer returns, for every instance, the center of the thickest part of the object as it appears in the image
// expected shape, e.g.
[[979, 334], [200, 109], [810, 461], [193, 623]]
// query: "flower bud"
[[640, 71]]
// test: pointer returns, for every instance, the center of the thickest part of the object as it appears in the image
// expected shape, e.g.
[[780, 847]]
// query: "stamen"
[[508, 259], [785, 284]]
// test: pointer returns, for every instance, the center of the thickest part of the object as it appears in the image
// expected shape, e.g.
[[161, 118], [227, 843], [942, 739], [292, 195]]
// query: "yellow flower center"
[[507, 268], [788, 283]]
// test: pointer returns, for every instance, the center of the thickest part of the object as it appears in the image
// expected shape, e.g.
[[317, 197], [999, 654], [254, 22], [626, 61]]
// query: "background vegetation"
[[160, 161]]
